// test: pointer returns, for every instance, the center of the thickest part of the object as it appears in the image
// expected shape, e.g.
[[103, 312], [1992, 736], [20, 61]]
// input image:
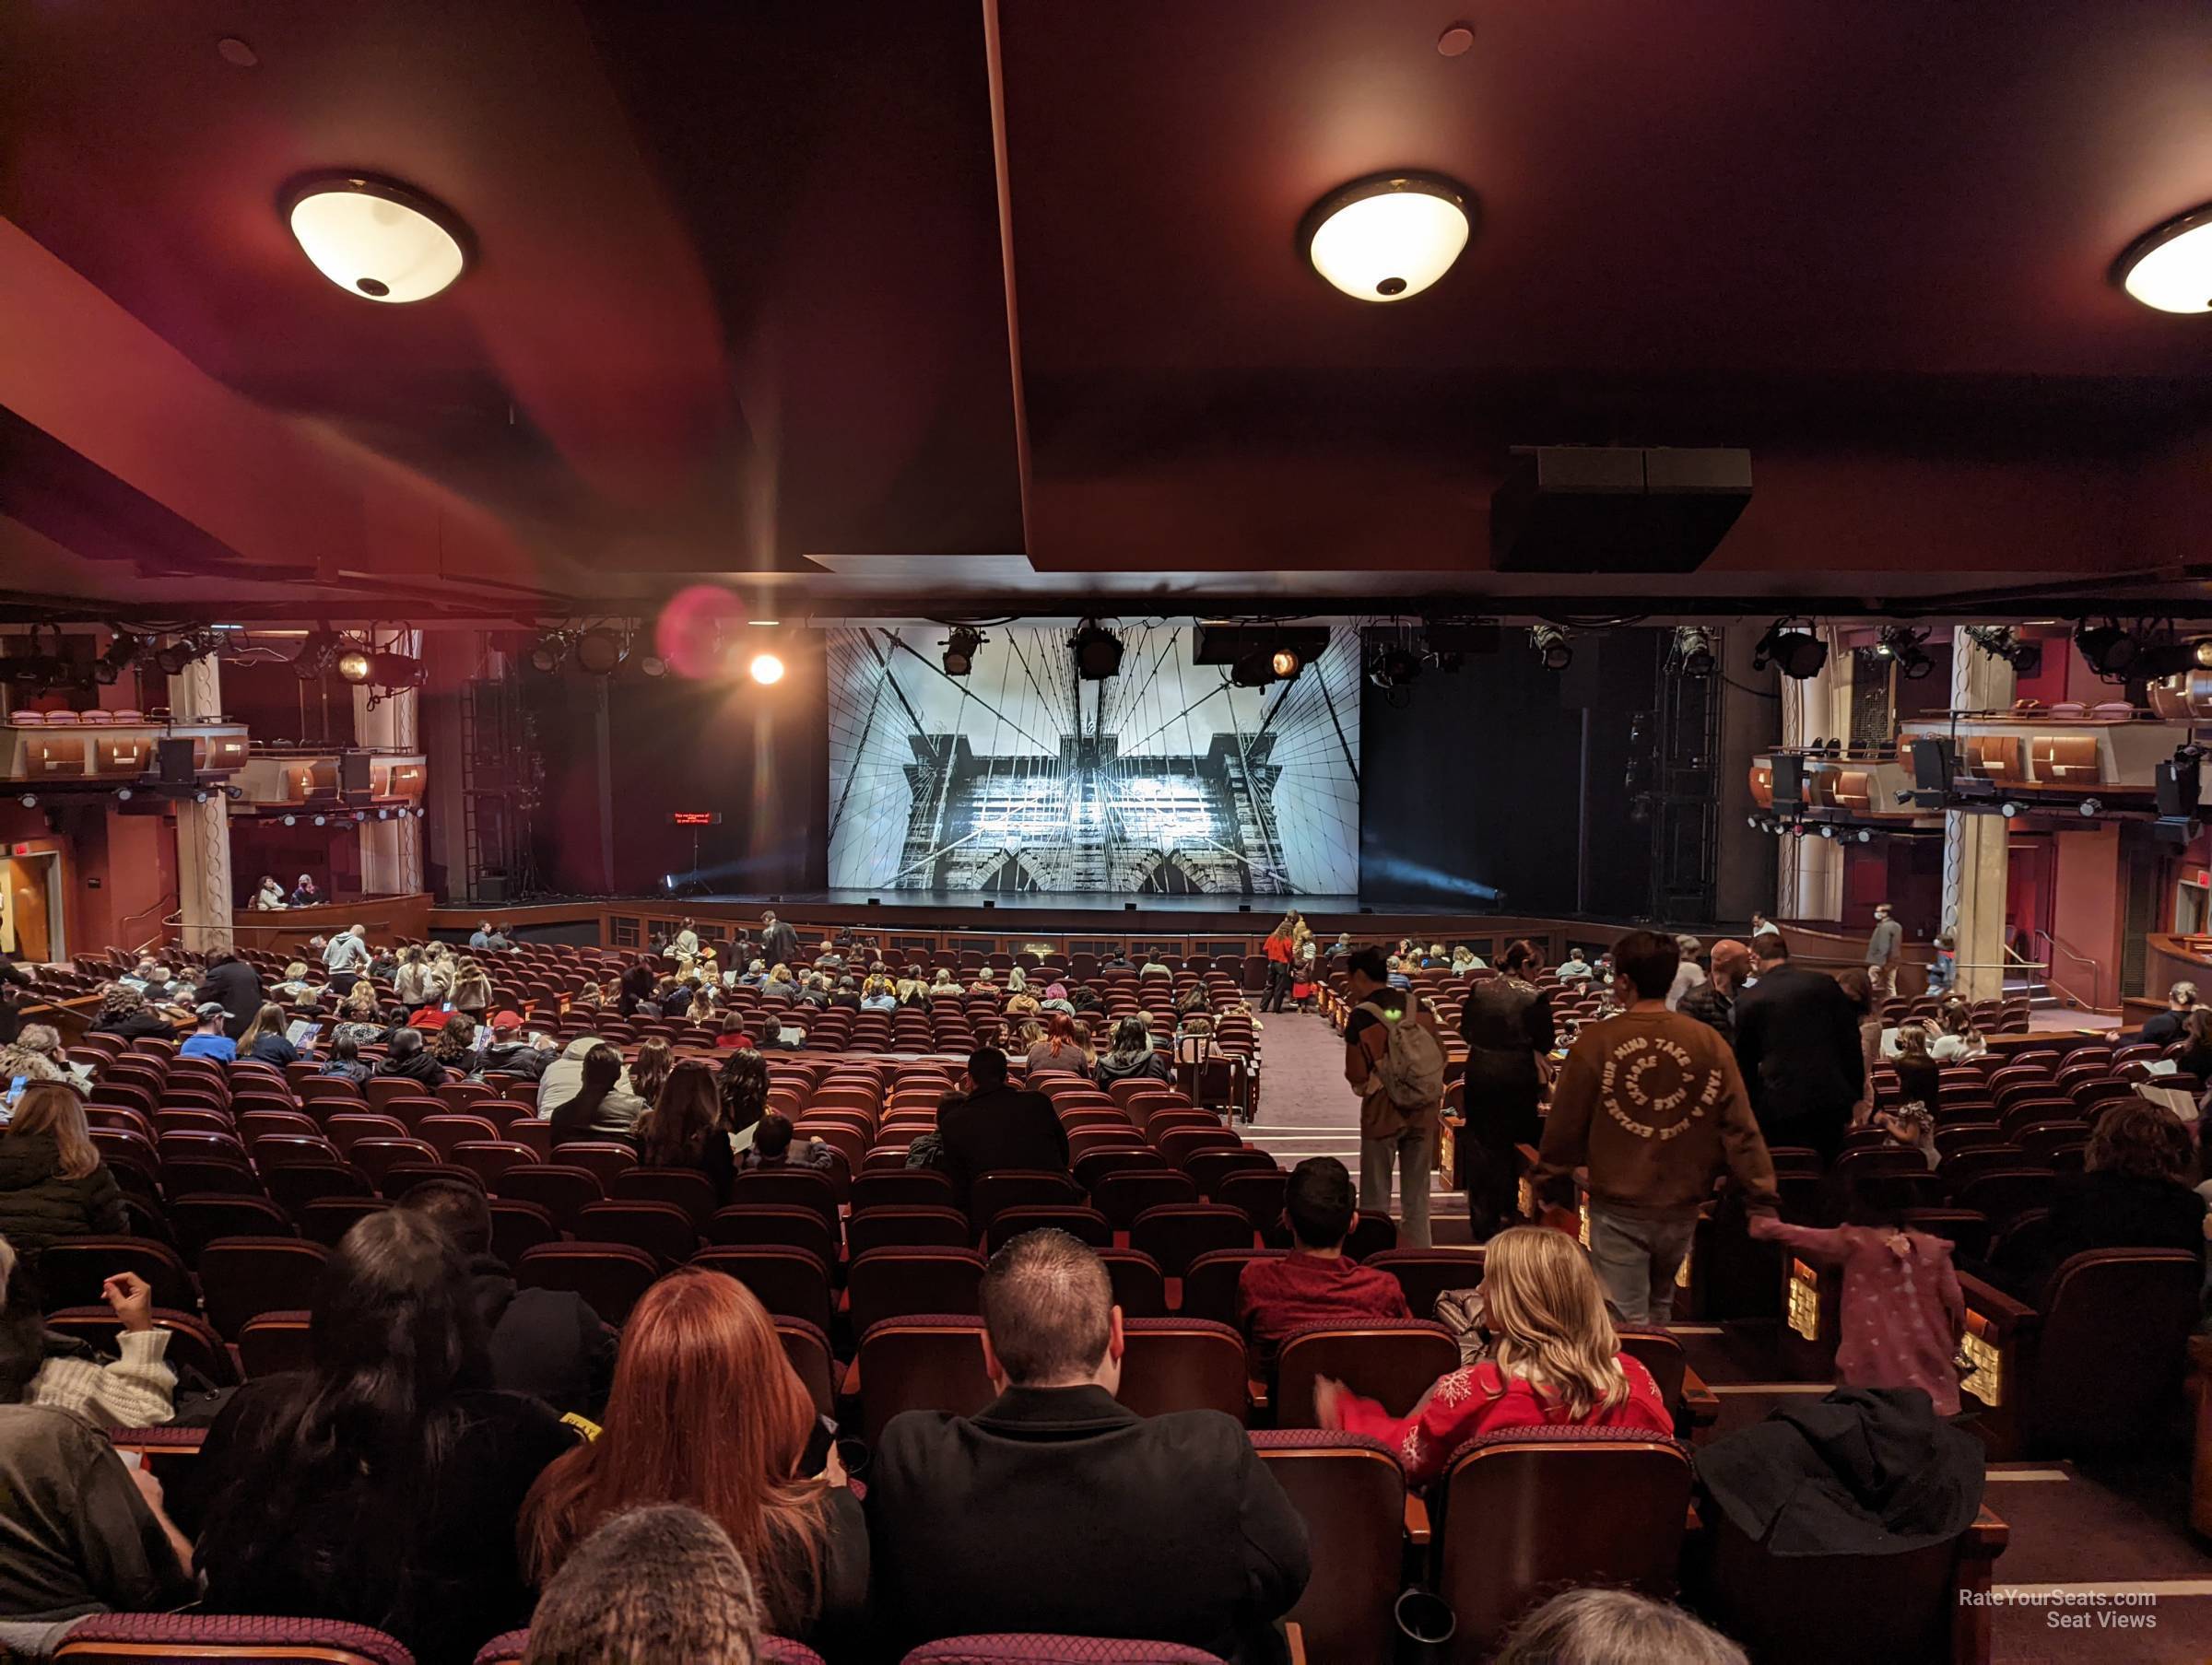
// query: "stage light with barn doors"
[[1553, 647], [959, 646], [376, 238], [1098, 651], [599, 652], [1390, 237], [2169, 268]]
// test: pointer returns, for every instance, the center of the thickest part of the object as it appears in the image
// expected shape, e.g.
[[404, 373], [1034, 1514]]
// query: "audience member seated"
[[269, 895], [657, 1583], [295, 988], [774, 1148], [1957, 1039], [2163, 1028], [599, 1108], [134, 1390], [684, 1128], [486, 936], [35, 1054], [1919, 1076], [649, 1071], [305, 894], [53, 1183], [266, 1039], [345, 1061], [454, 1042], [992, 1125], [209, 1038], [1057, 1510], [1903, 1313], [377, 1485], [1134, 1057], [2196, 1055], [1555, 1361], [509, 1052], [549, 1343], [1614, 1627], [2134, 1193], [743, 1085], [124, 1012], [362, 1019], [408, 1059], [1059, 1048], [1316, 1282], [1651, 1102], [82, 1533], [700, 1352]]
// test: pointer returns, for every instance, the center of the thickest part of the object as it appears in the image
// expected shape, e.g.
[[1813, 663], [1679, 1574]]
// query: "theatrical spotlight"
[[765, 668], [1553, 647], [1799, 654], [1692, 652], [313, 661], [1284, 662], [2091, 806], [1865, 835], [959, 647], [2107, 649], [123, 650], [600, 652], [2009, 810], [1903, 644], [1393, 667], [2002, 641], [171, 660], [352, 665], [392, 670], [547, 652], [1098, 651]]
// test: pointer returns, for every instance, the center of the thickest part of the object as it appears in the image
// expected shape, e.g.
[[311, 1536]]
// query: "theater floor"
[[2116, 1529]]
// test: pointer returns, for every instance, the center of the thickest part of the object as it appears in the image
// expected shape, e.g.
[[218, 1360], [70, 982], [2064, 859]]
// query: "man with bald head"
[[1057, 1510]]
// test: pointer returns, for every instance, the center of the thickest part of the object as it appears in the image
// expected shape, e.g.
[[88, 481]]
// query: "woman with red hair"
[[1062, 1046], [707, 1412]]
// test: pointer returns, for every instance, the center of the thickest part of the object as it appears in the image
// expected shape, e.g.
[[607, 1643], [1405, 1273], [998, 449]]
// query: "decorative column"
[[1809, 876], [1974, 868], [386, 722], [204, 896]]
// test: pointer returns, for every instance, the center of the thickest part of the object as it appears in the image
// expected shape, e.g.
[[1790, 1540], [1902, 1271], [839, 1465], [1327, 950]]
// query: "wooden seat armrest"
[[1256, 1393], [1987, 1538], [1417, 1521], [2008, 1315], [1295, 1640], [1702, 1403]]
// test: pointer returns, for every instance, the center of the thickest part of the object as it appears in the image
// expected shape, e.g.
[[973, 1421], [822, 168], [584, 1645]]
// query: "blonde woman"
[[1555, 1362], [53, 1183]]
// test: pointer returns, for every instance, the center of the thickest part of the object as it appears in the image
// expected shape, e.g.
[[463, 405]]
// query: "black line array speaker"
[[1789, 780], [174, 761], [1935, 763], [353, 772]]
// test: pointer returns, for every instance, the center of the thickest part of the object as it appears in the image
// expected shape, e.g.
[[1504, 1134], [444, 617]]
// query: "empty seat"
[[198, 1221], [1588, 1505], [145, 1638], [1175, 1234], [917, 1187], [565, 1190], [791, 1282], [927, 1362], [1139, 1288], [271, 1342], [660, 1228], [909, 1227], [1085, 1224], [1393, 1360], [896, 1283], [243, 1277], [992, 1193], [71, 1270], [788, 1187], [774, 1226], [518, 1228], [687, 1188], [1182, 1363], [1425, 1274], [1033, 1649], [1121, 1197], [1351, 1493], [327, 1220]]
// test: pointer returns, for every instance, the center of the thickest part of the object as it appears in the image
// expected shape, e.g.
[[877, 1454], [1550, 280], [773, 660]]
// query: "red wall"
[[2088, 908]]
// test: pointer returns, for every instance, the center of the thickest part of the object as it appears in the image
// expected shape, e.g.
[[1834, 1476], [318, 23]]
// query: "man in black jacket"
[[1057, 1510], [545, 1342], [235, 986], [1797, 1045], [12, 976], [779, 942], [995, 1126]]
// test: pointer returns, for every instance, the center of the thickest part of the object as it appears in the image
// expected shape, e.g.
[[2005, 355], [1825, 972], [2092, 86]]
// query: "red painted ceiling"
[[741, 302]]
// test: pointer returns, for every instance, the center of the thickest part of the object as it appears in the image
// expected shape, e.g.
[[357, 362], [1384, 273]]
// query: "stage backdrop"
[[1021, 777]]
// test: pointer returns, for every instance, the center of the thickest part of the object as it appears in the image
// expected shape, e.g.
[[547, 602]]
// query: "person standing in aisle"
[[1508, 1024], [1278, 948], [1394, 1062], [1885, 948]]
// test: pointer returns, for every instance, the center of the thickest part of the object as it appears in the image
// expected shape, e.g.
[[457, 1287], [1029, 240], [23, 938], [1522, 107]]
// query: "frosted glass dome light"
[[1388, 237], [377, 239], [2169, 268]]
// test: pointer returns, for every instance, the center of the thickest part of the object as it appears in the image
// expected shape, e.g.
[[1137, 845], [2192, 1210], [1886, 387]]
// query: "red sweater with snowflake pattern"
[[1482, 1400]]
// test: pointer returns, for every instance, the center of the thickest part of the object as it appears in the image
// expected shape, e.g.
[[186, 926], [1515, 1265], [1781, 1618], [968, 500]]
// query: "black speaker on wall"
[[1789, 780], [353, 772], [2177, 787], [1934, 765], [175, 762]]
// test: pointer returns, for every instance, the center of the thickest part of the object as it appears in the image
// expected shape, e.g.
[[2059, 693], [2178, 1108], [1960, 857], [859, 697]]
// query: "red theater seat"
[[168, 1639]]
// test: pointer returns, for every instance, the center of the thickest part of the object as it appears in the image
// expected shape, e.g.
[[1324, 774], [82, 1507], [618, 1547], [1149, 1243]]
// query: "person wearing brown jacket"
[[1651, 1102]]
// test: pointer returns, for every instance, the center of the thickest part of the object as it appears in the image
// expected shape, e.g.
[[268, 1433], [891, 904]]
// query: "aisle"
[[1306, 1109]]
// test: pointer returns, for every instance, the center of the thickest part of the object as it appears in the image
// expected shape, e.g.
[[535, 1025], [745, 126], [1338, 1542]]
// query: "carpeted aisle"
[[1307, 1110]]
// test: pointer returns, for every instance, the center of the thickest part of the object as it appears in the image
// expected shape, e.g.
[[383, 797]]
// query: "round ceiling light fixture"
[[2169, 268], [1390, 237], [377, 238]]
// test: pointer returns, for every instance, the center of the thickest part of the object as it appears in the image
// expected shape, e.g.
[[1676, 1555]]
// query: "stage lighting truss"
[[1098, 651], [1692, 653], [1555, 648], [1796, 651], [960, 644]]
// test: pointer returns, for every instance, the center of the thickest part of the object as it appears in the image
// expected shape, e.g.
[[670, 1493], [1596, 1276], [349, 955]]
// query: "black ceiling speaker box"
[[1215, 642], [353, 772], [1789, 780], [1934, 765], [2177, 786], [1616, 508], [174, 761]]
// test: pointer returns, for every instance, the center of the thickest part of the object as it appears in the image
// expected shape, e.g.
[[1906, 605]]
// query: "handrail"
[[2021, 962], [2096, 971]]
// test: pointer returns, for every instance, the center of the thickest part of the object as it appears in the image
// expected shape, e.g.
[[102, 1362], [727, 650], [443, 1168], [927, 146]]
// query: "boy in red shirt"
[[1314, 1283]]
